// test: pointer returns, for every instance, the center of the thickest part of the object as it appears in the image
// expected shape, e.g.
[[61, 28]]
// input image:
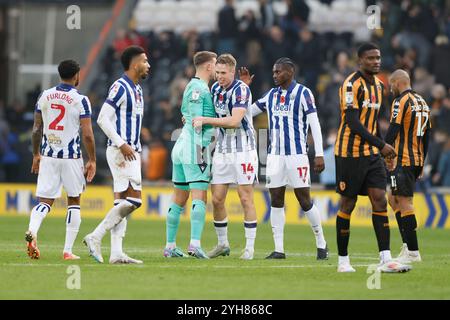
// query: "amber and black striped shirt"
[[358, 93], [412, 113]]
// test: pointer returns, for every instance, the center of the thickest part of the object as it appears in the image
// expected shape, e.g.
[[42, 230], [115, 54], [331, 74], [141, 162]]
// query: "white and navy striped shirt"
[[61, 108], [237, 95], [128, 101], [288, 125]]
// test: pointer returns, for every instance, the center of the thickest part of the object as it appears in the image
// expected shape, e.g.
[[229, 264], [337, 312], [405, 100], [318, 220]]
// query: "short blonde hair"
[[202, 57], [227, 59]]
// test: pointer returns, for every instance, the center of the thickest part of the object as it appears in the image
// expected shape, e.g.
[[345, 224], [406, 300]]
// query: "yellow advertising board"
[[18, 199]]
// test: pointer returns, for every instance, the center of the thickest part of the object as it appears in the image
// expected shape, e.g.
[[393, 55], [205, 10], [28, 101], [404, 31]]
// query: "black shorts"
[[354, 176], [403, 179]]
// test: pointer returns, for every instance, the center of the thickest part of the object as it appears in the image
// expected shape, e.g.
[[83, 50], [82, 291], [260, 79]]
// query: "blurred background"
[[320, 36]]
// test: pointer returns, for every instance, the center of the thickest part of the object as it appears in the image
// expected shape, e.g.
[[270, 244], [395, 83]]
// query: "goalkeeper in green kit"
[[191, 159]]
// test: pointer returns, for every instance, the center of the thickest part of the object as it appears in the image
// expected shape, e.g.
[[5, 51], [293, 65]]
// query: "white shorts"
[[290, 170], [56, 173], [124, 172], [238, 167]]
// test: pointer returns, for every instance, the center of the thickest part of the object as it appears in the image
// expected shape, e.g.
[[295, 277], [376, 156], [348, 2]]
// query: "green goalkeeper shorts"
[[191, 176]]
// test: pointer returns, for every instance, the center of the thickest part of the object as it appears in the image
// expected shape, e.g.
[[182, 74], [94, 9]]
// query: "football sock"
[[198, 213], [115, 216], [277, 220], [401, 227], [221, 228], [343, 260], [410, 225], [342, 232], [172, 223], [250, 234], [38, 213], [118, 233], [313, 216], [380, 223], [385, 256], [73, 221]]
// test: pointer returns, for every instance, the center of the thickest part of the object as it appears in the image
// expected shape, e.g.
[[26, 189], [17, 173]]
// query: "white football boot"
[[393, 267], [247, 254], [344, 265], [124, 259], [94, 246]]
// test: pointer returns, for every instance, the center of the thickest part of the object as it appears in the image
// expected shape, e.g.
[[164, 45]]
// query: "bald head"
[[400, 74], [399, 81]]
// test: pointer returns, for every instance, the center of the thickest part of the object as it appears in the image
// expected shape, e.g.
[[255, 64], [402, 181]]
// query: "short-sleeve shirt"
[[61, 108]]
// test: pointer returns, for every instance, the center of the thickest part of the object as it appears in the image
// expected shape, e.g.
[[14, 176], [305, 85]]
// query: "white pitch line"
[[262, 267], [182, 266], [145, 250]]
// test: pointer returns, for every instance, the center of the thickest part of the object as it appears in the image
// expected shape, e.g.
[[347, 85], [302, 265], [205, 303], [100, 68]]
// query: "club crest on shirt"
[[396, 109], [115, 88], [202, 166], [243, 97], [195, 95], [309, 101]]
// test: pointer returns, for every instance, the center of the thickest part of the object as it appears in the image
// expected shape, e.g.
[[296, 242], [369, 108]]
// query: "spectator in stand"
[[442, 117], [329, 100], [228, 29], [442, 175], [440, 53], [435, 149], [296, 17], [328, 176], [157, 163], [267, 15], [423, 82], [137, 39], [308, 58], [10, 159], [248, 29], [275, 47], [4, 130], [121, 42], [438, 94]]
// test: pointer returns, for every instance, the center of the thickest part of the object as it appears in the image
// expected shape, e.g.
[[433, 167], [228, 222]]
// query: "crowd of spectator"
[[414, 35]]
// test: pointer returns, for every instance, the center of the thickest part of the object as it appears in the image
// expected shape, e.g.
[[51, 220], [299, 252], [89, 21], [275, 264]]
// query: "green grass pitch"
[[300, 276]]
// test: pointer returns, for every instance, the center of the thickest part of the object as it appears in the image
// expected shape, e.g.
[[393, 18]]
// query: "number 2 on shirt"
[[54, 124]]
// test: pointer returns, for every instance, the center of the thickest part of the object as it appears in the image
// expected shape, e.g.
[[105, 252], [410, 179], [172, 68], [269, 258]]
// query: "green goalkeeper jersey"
[[197, 102]]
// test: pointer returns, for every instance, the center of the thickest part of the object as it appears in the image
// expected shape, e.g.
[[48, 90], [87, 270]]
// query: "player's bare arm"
[[319, 164], [89, 144], [36, 138], [393, 131], [232, 122]]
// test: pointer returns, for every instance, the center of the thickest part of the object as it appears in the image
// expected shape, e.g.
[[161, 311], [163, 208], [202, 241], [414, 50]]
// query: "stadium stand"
[[320, 36]]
